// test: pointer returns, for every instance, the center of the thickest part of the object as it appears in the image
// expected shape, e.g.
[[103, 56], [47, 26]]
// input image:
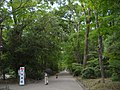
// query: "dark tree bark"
[[86, 37], [78, 43], [99, 48], [100, 57], [3, 73]]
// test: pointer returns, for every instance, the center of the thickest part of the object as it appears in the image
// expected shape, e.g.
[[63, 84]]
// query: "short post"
[[22, 76]]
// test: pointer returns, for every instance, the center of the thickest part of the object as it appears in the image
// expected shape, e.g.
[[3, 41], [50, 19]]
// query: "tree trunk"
[[3, 73], [86, 48], [16, 72], [99, 48], [100, 57], [86, 39], [78, 43], [1, 48]]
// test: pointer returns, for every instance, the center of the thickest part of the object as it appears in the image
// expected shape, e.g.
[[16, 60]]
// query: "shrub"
[[88, 73], [115, 77], [74, 66], [108, 73], [115, 65], [97, 72], [93, 63], [76, 69]]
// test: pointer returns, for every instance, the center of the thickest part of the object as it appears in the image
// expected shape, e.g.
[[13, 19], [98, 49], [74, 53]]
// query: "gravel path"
[[64, 82]]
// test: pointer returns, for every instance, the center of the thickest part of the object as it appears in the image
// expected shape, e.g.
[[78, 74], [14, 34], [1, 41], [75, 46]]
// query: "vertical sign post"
[[22, 76]]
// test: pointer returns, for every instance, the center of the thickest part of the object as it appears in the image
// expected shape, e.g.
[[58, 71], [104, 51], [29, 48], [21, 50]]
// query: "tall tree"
[[87, 20]]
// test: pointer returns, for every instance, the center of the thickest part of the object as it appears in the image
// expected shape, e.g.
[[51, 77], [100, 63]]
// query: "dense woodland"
[[80, 35]]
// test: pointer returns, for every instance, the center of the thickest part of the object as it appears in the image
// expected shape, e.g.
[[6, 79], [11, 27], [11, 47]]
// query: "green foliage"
[[93, 63], [33, 73], [108, 73], [115, 77], [112, 51], [37, 35], [97, 72], [114, 63], [76, 69], [88, 73]]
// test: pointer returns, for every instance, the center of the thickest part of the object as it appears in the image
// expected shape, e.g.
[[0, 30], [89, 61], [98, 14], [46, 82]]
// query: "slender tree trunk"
[[16, 72], [86, 48], [1, 48], [100, 57], [78, 43], [3, 73], [99, 48], [86, 38]]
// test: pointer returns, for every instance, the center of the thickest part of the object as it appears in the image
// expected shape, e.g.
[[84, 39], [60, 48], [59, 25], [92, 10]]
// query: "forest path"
[[65, 81]]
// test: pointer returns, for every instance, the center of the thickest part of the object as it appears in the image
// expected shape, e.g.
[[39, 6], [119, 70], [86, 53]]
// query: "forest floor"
[[95, 84]]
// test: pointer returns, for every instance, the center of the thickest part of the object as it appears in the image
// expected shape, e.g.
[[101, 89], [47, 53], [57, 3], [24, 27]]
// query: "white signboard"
[[22, 76]]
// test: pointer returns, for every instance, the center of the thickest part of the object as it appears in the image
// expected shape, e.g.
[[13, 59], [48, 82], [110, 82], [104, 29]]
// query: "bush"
[[108, 73], [76, 69], [74, 65], [115, 65], [32, 73], [88, 73], [97, 72], [37, 75], [93, 63], [115, 77]]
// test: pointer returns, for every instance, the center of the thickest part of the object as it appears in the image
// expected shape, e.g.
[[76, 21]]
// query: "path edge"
[[82, 85]]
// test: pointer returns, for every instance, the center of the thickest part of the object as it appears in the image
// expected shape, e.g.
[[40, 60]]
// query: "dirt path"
[[64, 82]]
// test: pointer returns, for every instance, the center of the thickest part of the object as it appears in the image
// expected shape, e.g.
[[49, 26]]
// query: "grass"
[[96, 84]]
